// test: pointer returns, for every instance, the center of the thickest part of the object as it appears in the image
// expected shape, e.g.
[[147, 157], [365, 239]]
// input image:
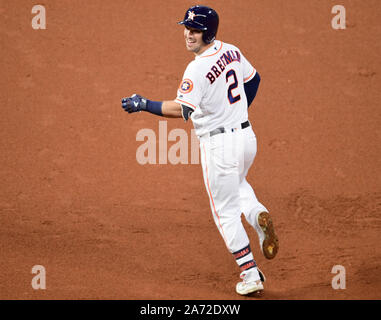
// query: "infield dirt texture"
[[74, 199]]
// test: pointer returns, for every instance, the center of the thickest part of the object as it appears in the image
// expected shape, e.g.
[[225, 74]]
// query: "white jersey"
[[213, 86]]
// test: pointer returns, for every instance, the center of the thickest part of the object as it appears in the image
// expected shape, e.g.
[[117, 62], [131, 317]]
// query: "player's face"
[[193, 40]]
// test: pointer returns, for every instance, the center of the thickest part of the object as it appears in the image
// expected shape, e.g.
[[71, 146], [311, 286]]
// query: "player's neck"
[[203, 49]]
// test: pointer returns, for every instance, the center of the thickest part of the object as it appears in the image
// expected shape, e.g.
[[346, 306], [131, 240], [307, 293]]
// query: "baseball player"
[[217, 88]]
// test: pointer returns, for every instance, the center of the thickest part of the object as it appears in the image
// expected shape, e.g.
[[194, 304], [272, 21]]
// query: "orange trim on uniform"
[[186, 103], [249, 76], [209, 55], [211, 198]]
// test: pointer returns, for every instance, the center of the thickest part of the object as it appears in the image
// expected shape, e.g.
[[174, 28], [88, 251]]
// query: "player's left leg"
[[255, 213], [250, 205]]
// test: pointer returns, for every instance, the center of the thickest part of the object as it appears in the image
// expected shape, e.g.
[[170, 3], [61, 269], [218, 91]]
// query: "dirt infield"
[[74, 199]]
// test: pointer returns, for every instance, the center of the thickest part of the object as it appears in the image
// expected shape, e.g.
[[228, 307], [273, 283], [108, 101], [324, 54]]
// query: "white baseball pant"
[[226, 159]]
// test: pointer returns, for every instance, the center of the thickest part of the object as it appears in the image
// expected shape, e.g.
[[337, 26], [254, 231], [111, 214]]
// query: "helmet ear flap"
[[207, 38]]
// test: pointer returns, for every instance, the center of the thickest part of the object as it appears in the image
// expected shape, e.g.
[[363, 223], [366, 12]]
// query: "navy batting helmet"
[[202, 18]]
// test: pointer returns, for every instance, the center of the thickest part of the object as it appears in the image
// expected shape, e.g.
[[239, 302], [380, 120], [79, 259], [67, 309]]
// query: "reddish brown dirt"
[[74, 199]]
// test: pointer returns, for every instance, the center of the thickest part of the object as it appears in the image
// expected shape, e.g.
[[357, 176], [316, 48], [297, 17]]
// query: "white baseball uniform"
[[213, 87]]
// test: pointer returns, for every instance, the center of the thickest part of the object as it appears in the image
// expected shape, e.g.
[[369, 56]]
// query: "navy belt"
[[222, 130]]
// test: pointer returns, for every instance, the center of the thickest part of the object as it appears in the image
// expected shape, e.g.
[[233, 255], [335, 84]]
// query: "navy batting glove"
[[135, 103]]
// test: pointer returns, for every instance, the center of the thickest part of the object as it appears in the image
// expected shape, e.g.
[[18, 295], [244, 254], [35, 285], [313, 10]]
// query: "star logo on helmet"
[[191, 15]]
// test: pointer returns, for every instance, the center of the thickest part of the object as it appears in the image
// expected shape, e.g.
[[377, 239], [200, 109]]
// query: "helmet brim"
[[193, 24]]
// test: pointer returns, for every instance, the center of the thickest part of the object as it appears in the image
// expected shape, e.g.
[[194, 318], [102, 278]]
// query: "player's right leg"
[[221, 180], [222, 185]]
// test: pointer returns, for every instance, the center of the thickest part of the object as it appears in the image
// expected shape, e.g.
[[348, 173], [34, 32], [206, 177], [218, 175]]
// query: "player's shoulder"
[[193, 71], [229, 46], [191, 67]]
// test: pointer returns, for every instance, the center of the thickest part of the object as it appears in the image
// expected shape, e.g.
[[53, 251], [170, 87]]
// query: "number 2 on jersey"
[[232, 99]]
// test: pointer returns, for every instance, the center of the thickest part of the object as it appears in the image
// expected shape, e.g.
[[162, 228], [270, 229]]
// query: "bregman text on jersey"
[[227, 57]]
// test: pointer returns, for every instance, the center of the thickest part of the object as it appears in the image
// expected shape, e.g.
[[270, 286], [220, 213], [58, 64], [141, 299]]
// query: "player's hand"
[[135, 103]]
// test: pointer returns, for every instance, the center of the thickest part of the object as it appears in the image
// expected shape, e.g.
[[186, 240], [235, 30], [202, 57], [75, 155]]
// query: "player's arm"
[[251, 88], [172, 109], [251, 80], [137, 103], [169, 109]]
